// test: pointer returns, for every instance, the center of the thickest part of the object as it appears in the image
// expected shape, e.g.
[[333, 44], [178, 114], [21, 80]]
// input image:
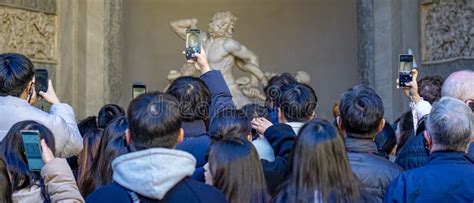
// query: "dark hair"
[[229, 123], [16, 71], [87, 124], [193, 96], [319, 163], [386, 140], [297, 102], [251, 111], [361, 112], [112, 145], [107, 113], [6, 189], [236, 171], [14, 151], [154, 121], [430, 88], [406, 129], [273, 89], [89, 153]]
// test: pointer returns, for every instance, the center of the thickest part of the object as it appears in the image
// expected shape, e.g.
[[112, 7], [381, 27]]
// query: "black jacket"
[[187, 190], [282, 138], [447, 177], [375, 173]]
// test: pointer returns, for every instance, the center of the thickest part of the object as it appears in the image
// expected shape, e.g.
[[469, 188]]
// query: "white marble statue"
[[225, 53]]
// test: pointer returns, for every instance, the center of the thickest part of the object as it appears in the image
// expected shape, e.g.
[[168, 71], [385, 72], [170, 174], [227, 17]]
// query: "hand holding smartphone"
[[41, 80]]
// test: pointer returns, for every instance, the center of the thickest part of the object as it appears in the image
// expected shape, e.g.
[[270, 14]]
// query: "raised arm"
[[246, 60], [180, 26]]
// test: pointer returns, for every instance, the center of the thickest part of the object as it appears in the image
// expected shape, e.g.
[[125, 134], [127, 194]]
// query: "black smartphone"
[[138, 89], [31, 143], [41, 80], [193, 43], [404, 69]]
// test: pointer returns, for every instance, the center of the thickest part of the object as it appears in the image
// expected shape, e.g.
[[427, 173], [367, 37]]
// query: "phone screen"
[[193, 42], [41, 80], [404, 69], [138, 89], [31, 143]]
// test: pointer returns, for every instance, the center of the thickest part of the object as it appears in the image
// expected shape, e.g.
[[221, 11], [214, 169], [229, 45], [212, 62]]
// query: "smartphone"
[[138, 89], [31, 143], [405, 68], [41, 80], [193, 43]]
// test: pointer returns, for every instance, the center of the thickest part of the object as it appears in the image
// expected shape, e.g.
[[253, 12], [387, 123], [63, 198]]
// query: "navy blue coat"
[[196, 138], [187, 190], [282, 138], [447, 177], [413, 154]]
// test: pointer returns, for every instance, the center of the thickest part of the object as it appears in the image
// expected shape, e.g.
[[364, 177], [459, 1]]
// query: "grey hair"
[[450, 124], [459, 85]]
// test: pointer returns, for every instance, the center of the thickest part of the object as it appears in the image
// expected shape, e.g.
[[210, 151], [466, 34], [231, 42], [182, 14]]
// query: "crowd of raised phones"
[[191, 144]]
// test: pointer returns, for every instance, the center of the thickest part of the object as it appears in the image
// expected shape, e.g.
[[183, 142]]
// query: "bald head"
[[459, 85]]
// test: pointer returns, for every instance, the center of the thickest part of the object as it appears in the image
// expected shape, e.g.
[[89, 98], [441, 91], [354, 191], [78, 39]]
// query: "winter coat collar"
[[452, 157], [152, 172], [194, 129], [360, 145]]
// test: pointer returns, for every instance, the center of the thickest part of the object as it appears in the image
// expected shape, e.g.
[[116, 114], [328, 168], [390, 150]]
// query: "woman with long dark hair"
[[320, 170], [6, 189], [89, 153], [111, 145], [234, 168], [29, 186]]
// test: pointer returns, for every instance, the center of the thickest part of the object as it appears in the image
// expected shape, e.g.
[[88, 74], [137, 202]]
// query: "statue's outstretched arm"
[[180, 26], [246, 59]]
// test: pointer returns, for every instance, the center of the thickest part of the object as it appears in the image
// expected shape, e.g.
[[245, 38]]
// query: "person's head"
[[89, 153], [386, 140], [361, 112], [154, 121], [459, 85], [405, 129], [14, 151], [251, 111], [107, 113], [297, 103], [112, 145], [234, 168], [87, 125], [193, 96], [430, 88], [319, 163], [229, 123], [16, 75], [273, 89], [222, 25], [6, 189], [450, 125]]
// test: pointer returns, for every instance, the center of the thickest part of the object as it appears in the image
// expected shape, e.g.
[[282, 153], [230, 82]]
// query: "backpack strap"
[[135, 198]]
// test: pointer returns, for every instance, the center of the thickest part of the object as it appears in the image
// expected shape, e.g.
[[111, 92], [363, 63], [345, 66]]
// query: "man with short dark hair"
[[361, 118], [154, 170], [17, 94], [449, 174], [297, 104]]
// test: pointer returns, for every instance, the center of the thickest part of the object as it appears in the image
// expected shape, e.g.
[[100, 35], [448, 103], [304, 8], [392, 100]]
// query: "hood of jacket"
[[30, 194], [152, 172]]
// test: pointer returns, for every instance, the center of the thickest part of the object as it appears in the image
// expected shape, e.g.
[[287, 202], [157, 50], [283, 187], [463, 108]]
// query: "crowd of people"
[[191, 144]]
